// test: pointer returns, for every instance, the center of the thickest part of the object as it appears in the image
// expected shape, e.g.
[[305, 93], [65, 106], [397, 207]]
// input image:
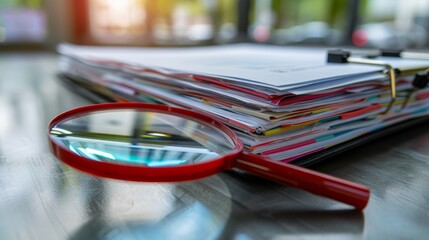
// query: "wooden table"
[[43, 199]]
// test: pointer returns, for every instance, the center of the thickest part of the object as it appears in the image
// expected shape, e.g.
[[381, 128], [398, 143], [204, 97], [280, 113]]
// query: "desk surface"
[[43, 199]]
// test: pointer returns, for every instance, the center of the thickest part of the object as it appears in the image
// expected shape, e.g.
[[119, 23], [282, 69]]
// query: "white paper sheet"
[[276, 67]]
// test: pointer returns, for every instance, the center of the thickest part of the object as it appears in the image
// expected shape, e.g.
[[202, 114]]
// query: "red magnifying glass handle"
[[318, 183]]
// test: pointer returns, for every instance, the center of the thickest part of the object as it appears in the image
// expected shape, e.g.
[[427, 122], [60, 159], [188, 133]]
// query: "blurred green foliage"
[[21, 3]]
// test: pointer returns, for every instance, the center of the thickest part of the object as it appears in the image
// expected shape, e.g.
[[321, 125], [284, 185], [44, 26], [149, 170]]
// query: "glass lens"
[[151, 139]]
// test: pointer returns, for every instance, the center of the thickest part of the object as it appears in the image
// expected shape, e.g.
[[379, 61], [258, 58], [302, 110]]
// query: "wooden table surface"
[[43, 199]]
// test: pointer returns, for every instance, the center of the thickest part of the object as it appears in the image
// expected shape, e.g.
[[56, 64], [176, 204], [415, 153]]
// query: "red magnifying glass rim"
[[129, 172]]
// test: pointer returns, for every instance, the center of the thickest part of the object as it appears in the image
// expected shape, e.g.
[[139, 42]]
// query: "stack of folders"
[[284, 103]]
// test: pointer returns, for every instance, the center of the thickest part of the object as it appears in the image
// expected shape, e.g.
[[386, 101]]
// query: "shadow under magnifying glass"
[[282, 211], [198, 211]]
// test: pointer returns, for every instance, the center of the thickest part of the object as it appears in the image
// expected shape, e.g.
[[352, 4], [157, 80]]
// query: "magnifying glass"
[[158, 143]]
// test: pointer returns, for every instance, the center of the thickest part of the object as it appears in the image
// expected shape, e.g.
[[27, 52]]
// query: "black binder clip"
[[421, 79], [341, 56], [404, 54], [338, 56], [391, 52]]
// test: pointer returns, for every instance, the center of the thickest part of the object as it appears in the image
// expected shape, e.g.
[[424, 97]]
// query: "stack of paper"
[[284, 103]]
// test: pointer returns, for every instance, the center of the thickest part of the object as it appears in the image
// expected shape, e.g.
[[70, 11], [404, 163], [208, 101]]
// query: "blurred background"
[[42, 24]]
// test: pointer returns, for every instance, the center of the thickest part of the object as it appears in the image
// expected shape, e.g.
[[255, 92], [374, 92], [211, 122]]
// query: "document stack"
[[284, 103]]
